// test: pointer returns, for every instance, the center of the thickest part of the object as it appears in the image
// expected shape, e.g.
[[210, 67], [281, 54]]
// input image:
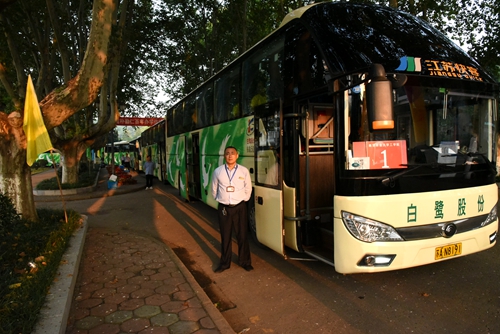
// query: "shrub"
[[84, 180], [30, 253]]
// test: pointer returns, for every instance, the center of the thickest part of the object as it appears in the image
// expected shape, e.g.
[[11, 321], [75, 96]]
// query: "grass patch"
[[30, 254], [40, 170], [85, 179]]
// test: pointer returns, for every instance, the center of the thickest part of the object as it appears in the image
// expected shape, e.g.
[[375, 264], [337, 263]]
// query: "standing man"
[[149, 167], [232, 188]]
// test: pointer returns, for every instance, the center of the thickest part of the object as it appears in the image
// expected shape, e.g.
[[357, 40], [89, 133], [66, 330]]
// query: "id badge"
[[230, 189]]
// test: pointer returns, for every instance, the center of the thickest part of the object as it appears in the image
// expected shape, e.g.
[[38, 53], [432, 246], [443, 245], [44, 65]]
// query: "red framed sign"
[[384, 154]]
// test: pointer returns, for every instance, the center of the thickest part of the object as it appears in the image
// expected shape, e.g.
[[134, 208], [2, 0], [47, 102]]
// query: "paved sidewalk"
[[134, 284], [129, 283]]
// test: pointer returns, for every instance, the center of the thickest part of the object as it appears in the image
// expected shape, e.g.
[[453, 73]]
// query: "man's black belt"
[[232, 205]]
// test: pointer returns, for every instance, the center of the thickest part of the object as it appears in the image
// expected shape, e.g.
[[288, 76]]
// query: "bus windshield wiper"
[[389, 181]]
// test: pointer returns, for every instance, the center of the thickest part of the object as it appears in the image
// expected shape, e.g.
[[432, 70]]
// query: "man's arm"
[[214, 184], [248, 186]]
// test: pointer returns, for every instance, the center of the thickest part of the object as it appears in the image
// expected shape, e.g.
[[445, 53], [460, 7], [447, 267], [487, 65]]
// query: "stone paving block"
[[192, 314], [116, 299], [91, 287], [128, 288], [138, 279], [105, 278], [147, 311], [89, 322], [119, 317], [148, 272], [151, 284], [104, 292], [183, 327], [166, 289], [134, 268], [194, 302], [207, 331], [103, 310], [169, 267], [175, 280], [80, 313], [119, 282], [142, 293], [183, 295], [164, 319], [105, 329], [89, 303], [173, 306], [155, 330], [131, 304], [176, 274], [157, 299], [160, 276], [135, 325], [207, 323], [155, 265], [82, 295], [185, 287]]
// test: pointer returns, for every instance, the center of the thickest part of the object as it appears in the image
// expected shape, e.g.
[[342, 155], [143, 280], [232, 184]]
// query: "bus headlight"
[[369, 230], [492, 217]]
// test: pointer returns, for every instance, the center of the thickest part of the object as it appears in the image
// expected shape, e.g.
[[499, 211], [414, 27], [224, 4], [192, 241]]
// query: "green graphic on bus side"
[[212, 141]]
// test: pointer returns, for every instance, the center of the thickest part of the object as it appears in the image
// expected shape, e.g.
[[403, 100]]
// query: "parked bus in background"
[[152, 142], [118, 151], [369, 135]]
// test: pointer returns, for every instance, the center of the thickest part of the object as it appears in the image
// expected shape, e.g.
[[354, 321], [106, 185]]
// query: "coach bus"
[[369, 135]]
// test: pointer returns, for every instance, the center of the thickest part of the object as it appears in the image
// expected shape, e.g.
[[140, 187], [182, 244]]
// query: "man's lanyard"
[[227, 172]]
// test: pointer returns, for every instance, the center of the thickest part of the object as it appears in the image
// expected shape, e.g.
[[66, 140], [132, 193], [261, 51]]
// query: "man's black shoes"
[[247, 267], [219, 269]]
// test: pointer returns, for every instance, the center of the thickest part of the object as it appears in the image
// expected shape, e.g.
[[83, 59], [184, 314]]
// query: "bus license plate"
[[448, 251]]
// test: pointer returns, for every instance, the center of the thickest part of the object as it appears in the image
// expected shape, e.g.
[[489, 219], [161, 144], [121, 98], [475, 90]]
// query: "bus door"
[[193, 166], [267, 190], [180, 162], [315, 179]]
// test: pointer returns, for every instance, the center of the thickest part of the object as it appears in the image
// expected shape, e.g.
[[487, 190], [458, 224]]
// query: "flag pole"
[[37, 137]]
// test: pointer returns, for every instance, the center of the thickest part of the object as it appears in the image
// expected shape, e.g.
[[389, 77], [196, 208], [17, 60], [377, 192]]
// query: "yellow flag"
[[37, 137]]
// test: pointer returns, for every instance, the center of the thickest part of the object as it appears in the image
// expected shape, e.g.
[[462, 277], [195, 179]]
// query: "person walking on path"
[[149, 167], [232, 188]]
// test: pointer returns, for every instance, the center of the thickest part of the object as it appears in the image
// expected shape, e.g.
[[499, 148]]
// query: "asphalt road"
[[304, 296]]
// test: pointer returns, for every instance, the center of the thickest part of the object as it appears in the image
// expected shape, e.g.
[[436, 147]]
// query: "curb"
[[218, 319], [74, 191], [55, 312]]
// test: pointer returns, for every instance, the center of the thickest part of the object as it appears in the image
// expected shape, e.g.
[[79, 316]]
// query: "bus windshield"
[[439, 133]]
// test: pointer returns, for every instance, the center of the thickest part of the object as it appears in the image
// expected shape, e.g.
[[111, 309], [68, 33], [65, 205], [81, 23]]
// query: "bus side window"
[[262, 76], [177, 119], [190, 114], [205, 107], [227, 95]]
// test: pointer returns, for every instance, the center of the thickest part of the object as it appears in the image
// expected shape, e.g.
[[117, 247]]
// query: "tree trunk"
[[15, 174], [72, 151], [56, 107]]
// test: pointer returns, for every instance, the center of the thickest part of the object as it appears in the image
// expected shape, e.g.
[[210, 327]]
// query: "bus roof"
[[354, 36]]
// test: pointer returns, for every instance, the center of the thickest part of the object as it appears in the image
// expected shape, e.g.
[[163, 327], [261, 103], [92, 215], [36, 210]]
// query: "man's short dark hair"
[[231, 147]]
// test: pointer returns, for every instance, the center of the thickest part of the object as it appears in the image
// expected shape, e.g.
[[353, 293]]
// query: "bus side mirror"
[[379, 99]]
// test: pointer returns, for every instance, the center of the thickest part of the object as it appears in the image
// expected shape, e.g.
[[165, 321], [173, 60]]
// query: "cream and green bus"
[[369, 135]]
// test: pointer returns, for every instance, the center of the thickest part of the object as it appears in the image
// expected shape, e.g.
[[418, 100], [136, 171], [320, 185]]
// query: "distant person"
[[232, 188], [149, 167], [126, 162], [122, 158]]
